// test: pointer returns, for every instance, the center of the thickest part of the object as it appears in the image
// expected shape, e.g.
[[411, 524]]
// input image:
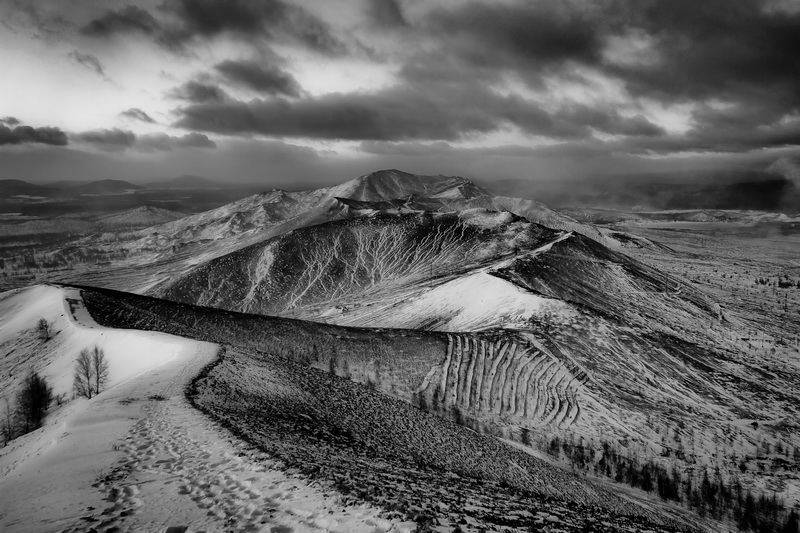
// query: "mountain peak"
[[391, 184]]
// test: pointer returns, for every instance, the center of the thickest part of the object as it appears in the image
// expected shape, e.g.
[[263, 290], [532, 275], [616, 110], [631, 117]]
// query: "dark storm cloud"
[[28, 134], [386, 14], [184, 21], [10, 121], [702, 49], [89, 61], [137, 114], [742, 54], [129, 19], [271, 19], [199, 92], [117, 140], [523, 35], [724, 50], [405, 113], [609, 121], [733, 65], [164, 142], [707, 139], [261, 77], [392, 114]]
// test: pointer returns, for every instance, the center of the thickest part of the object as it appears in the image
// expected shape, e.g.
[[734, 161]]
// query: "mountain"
[[172, 249], [66, 184], [553, 294], [141, 217], [417, 342], [103, 187], [186, 181], [550, 331], [11, 187]]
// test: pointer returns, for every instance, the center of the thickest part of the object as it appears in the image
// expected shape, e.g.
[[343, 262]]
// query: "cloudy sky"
[[301, 90]]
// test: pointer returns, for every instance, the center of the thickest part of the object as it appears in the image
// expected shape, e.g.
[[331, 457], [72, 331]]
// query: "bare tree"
[[45, 329], [83, 379], [91, 372], [100, 369]]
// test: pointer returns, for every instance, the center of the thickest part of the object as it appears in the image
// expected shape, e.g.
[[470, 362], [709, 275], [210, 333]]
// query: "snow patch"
[[475, 302]]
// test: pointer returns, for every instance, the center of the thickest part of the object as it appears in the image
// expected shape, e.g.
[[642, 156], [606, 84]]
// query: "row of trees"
[[782, 282], [707, 495]]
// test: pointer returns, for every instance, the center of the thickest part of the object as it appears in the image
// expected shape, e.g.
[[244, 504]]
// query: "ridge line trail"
[[139, 457]]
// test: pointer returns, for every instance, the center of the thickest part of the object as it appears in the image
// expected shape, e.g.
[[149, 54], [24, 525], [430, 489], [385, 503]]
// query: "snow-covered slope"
[[354, 261], [129, 353], [591, 342], [348, 433], [138, 456]]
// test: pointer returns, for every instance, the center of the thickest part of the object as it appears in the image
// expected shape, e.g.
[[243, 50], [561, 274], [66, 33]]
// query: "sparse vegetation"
[[45, 329], [707, 495], [33, 401], [8, 428], [28, 412], [91, 372]]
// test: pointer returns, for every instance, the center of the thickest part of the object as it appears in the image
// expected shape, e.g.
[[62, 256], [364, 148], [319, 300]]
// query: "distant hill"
[[67, 184], [11, 187], [104, 187], [141, 217], [187, 181]]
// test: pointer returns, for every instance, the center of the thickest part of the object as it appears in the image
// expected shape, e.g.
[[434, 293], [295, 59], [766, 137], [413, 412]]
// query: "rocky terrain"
[[366, 444], [417, 343], [580, 341]]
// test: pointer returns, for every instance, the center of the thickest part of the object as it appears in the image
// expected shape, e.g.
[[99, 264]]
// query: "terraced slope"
[[495, 379], [505, 377], [367, 444], [590, 376]]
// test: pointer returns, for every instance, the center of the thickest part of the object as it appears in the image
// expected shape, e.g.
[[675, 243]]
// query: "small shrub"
[[45, 329]]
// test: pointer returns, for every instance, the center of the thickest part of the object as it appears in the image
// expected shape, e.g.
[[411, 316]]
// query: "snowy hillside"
[[138, 456], [171, 249], [408, 343]]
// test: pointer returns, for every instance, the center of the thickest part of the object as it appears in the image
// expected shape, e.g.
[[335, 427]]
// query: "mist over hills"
[[187, 181], [765, 190]]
